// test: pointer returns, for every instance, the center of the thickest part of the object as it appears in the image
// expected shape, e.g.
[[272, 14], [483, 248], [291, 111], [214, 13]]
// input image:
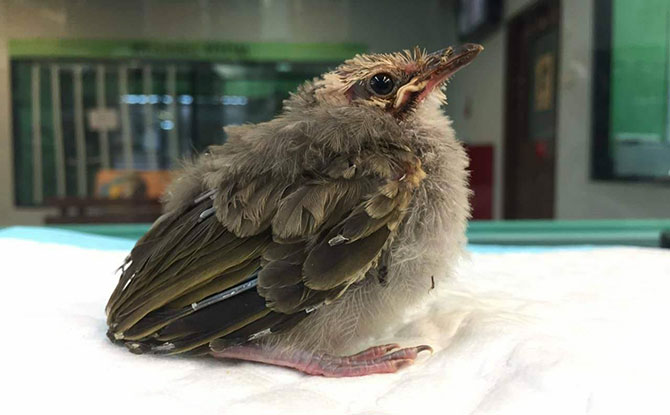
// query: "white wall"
[[477, 100], [475, 103]]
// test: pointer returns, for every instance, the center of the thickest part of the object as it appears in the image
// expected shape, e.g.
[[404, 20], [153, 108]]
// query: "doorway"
[[530, 132]]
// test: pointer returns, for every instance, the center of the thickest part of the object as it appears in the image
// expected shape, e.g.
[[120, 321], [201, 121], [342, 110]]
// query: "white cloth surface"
[[555, 332]]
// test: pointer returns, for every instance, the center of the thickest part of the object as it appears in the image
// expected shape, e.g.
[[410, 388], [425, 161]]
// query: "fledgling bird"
[[303, 236]]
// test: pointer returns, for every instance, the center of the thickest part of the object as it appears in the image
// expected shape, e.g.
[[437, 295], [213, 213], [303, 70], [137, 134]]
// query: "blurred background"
[[566, 114]]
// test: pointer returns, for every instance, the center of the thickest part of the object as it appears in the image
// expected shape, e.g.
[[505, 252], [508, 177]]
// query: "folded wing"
[[255, 256]]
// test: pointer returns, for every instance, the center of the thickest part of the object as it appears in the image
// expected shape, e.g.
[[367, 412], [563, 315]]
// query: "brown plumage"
[[308, 232]]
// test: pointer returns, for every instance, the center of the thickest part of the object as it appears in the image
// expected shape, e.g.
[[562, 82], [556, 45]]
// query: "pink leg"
[[373, 360]]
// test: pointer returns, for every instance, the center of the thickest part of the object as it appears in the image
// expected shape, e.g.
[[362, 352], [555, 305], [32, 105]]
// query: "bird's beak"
[[446, 62], [440, 66]]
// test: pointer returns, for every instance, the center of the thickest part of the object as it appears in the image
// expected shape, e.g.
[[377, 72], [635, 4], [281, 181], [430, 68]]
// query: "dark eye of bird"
[[382, 84]]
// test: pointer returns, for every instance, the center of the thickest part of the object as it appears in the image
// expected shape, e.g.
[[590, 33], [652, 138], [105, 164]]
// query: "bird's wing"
[[256, 255]]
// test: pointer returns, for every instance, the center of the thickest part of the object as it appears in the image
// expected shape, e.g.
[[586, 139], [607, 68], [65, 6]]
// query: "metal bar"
[[38, 196], [79, 133], [59, 148], [126, 133], [150, 135], [103, 134], [173, 133]]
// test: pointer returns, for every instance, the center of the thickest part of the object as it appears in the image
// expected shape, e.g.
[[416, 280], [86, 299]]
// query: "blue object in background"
[[66, 237], [111, 243]]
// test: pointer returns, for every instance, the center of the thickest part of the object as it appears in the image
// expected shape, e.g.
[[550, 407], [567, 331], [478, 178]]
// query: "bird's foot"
[[377, 359]]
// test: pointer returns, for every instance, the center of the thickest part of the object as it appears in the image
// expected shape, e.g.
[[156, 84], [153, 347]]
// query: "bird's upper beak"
[[443, 63], [440, 66]]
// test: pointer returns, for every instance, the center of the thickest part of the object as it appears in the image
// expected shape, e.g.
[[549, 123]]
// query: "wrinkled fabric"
[[544, 331]]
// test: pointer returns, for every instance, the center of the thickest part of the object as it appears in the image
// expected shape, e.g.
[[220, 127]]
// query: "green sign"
[[182, 50]]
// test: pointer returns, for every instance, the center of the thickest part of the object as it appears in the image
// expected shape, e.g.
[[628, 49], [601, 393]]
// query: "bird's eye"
[[382, 84]]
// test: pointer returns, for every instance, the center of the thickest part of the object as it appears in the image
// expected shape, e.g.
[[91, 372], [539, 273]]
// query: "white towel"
[[548, 332]]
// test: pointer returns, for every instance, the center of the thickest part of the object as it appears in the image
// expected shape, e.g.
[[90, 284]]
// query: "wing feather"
[[257, 254]]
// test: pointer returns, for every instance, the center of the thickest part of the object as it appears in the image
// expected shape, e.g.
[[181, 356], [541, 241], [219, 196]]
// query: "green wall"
[[639, 69]]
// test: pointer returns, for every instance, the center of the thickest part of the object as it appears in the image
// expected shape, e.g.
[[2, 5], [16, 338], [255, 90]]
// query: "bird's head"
[[395, 83]]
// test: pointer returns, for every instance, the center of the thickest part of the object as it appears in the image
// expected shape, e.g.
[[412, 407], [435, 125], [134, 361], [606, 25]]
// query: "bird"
[[299, 239]]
